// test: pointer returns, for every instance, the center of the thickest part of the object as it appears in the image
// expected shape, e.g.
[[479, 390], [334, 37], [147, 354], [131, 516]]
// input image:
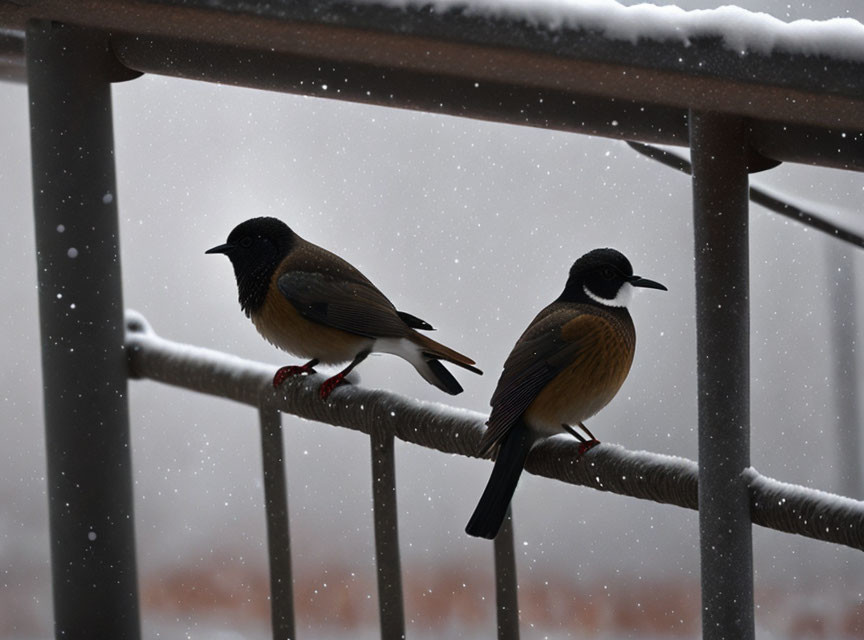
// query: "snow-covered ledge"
[[740, 30], [608, 467]]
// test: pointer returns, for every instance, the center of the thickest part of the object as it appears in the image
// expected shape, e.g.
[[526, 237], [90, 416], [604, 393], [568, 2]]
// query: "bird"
[[568, 364], [315, 305]]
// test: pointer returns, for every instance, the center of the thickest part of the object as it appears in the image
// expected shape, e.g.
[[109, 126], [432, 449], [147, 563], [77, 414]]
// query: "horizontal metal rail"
[[489, 65], [608, 467]]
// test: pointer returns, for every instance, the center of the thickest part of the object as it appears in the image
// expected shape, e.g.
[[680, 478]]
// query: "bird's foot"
[[290, 371], [585, 446], [330, 384]]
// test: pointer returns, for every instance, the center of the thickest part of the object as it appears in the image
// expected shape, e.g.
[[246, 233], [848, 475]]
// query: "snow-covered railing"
[[607, 467], [384, 415]]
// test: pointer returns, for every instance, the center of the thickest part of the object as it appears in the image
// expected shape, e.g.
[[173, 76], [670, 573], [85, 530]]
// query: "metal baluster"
[[841, 284], [720, 212], [506, 595], [390, 604], [81, 319], [278, 533]]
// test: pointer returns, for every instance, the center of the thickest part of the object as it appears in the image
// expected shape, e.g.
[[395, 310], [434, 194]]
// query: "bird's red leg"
[[293, 370], [586, 445], [573, 432], [339, 378], [588, 431]]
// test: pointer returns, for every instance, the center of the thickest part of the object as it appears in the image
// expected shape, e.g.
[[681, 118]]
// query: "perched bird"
[[567, 365], [315, 305]]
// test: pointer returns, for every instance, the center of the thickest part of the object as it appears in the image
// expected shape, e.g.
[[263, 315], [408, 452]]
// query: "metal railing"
[[383, 416], [738, 113]]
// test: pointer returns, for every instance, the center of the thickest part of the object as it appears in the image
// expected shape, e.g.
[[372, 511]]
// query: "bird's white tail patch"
[[409, 351], [401, 347]]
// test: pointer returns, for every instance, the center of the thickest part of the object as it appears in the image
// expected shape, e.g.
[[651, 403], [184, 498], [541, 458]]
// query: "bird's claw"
[[585, 447], [291, 370], [330, 384]]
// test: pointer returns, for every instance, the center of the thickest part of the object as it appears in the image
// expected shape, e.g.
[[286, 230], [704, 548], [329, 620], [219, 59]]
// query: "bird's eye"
[[607, 273], [246, 242]]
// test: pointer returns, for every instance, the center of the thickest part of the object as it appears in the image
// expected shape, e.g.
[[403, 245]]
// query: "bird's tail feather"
[[437, 350], [492, 508], [427, 364], [436, 373]]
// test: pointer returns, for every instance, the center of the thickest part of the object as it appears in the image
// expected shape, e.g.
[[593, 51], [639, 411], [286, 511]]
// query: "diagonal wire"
[[757, 195]]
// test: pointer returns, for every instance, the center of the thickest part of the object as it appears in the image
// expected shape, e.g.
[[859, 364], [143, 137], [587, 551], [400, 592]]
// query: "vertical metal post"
[[506, 596], [278, 534], [841, 283], [720, 211], [390, 604], [81, 320]]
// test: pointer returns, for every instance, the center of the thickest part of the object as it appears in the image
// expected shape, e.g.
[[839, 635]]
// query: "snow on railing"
[[608, 467], [740, 30]]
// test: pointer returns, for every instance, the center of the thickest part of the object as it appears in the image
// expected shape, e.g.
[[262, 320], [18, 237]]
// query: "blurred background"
[[471, 226]]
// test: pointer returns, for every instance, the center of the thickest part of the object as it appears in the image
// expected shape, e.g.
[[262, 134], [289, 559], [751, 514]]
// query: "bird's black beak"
[[222, 248], [638, 281]]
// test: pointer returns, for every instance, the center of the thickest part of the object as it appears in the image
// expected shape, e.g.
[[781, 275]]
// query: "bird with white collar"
[[567, 365]]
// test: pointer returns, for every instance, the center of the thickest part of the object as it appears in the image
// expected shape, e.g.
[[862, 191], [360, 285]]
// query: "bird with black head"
[[315, 305]]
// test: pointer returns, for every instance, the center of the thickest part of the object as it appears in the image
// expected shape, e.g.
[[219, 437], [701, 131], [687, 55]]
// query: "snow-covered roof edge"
[[740, 30]]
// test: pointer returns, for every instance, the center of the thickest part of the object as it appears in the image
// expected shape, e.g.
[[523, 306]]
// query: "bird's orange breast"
[[591, 380], [282, 325]]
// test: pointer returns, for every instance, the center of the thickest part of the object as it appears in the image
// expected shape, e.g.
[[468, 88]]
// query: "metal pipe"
[[720, 201], [84, 368], [12, 66], [841, 283], [390, 604], [278, 532], [493, 67], [506, 594], [517, 87]]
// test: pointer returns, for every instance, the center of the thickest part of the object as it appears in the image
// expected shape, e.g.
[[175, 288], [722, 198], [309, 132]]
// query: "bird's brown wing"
[[354, 306], [556, 339]]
